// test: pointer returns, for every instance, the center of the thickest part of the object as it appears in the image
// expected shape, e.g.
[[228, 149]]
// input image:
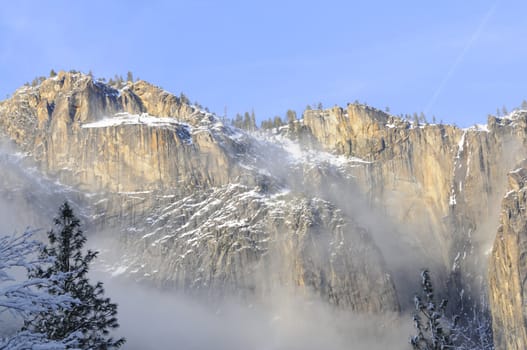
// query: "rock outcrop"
[[57, 124], [445, 185], [508, 267], [441, 182]]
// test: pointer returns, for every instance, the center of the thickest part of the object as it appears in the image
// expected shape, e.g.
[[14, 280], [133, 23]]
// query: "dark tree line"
[[247, 121]]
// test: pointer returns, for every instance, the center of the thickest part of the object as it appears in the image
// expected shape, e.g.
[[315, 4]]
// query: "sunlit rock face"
[[508, 268], [446, 180], [345, 204], [65, 124], [196, 205], [446, 184]]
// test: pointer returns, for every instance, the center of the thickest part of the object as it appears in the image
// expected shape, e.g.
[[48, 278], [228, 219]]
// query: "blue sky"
[[457, 60]]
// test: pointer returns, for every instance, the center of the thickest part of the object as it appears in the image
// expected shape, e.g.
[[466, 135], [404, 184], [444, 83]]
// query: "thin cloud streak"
[[461, 57]]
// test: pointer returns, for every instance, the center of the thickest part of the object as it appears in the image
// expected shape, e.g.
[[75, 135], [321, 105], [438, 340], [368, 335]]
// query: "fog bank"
[[152, 319]]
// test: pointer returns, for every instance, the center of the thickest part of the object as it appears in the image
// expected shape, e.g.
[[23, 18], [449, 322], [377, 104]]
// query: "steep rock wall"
[[508, 267], [236, 240], [49, 122], [439, 181], [159, 174]]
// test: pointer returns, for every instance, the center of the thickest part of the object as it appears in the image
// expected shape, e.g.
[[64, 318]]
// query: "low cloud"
[[153, 319]]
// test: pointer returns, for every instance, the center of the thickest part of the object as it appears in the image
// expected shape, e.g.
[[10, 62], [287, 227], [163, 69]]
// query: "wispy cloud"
[[461, 56]]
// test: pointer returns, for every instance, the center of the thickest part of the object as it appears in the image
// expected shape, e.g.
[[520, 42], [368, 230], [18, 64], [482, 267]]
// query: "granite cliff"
[[446, 185], [507, 268], [193, 202], [346, 204]]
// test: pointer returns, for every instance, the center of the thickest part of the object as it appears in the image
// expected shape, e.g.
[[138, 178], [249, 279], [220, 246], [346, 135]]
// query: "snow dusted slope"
[[195, 204], [339, 206], [236, 240], [251, 236]]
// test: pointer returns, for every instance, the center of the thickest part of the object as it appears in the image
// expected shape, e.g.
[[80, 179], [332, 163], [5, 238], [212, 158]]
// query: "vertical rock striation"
[[508, 267], [194, 202]]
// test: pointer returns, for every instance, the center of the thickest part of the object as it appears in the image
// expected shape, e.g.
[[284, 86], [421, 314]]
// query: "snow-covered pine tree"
[[94, 316], [433, 329], [23, 299], [437, 331]]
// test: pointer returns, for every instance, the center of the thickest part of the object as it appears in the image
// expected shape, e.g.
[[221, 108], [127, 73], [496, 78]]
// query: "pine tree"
[[183, 99], [26, 298], [291, 119], [238, 121], [266, 124], [94, 316], [253, 120], [291, 116], [277, 122], [247, 121], [129, 77], [416, 120], [422, 117], [52, 73], [119, 80], [429, 320]]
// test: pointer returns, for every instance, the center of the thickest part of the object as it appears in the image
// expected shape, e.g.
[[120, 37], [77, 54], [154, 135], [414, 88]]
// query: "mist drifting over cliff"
[[305, 236]]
